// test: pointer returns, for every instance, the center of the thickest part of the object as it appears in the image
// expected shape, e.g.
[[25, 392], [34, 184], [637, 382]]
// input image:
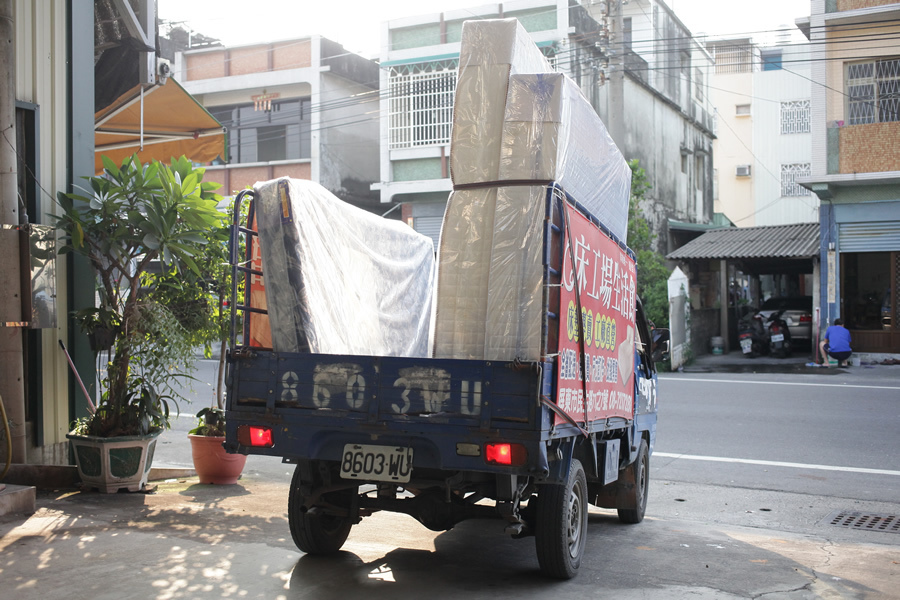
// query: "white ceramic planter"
[[111, 464]]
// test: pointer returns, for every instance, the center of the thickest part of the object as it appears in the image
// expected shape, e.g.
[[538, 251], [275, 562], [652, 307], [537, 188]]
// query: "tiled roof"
[[774, 241]]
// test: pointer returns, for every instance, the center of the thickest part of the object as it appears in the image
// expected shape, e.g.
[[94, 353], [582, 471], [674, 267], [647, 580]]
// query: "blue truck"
[[529, 442]]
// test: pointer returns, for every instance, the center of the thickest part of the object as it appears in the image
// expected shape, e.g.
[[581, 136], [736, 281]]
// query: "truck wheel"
[[561, 524], [318, 534], [640, 468]]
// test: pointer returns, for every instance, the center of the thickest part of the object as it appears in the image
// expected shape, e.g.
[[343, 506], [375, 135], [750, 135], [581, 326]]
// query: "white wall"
[[733, 146], [772, 148], [41, 79]]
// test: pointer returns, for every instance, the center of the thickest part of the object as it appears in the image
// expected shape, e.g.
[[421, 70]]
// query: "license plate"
[[778, 337], [746, 345], [376, 463]]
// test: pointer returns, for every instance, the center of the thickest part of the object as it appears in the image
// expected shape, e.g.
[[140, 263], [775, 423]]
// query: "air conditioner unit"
[[742, 171]]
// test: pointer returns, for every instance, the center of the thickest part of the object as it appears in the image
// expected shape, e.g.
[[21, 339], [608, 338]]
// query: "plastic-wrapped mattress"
[[340, 280], [552, 133], [489, 286], [490, 51]]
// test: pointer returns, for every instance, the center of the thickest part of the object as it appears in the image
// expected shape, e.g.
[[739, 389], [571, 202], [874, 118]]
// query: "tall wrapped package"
[[490, 51], [552, 133], [340, 280], [489, 293]]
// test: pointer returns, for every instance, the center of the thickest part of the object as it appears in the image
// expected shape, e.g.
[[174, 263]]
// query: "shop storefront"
[[861, 272]]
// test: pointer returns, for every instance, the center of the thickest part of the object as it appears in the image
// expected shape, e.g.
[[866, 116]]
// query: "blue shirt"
[[838, 339]]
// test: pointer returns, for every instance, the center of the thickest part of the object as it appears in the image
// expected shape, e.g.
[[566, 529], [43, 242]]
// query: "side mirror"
[[659, 347]]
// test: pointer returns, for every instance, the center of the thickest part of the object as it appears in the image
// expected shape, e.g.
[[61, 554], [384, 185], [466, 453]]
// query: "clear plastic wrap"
[[490, 51], [490, 274], [552, 133], [340, 280]]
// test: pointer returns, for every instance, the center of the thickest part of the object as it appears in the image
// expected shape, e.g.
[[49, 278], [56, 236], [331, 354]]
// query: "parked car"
[[797, 313]]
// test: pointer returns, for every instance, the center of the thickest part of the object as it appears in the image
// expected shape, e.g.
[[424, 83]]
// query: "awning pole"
[[142, 119]]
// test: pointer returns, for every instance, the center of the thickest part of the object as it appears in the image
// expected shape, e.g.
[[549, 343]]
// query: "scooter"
[[753, 335], [780, 345]]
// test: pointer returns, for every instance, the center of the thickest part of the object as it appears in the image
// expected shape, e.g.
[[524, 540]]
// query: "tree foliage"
[[131, 218], [652, 273]]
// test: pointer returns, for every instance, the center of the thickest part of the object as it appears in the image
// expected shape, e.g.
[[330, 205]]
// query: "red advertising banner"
[[605, 275]]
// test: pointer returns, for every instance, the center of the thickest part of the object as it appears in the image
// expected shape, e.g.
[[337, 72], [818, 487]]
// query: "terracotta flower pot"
[[212, 463]]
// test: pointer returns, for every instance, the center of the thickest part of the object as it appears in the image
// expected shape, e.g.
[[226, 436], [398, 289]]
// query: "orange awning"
[[174, 123]]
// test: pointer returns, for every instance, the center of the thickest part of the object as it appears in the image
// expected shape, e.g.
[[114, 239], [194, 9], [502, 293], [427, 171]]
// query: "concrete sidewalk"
[[800, 362]]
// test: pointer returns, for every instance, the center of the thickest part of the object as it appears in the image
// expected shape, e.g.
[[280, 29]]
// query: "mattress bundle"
[[340, 280], [489, 288], [490, 51], [517, 127]]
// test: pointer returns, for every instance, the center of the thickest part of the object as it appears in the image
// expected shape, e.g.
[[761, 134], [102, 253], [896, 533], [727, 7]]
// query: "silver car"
[[796, 311]]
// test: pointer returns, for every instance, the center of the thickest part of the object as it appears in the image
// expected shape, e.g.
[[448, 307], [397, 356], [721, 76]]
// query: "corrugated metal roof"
[[774, 241]]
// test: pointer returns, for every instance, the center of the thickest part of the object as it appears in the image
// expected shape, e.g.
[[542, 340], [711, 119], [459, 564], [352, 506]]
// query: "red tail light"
[[806, 318], [512, 455], [253, 435], [776, 328]]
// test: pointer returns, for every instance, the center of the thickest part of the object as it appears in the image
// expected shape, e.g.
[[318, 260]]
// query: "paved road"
[[713, 529]]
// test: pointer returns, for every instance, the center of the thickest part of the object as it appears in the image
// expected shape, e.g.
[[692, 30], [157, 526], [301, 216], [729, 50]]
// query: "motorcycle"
[[780, 344], [753, 335]]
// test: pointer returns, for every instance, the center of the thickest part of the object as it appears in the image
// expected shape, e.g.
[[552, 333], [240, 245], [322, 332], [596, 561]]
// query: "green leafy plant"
[[129, 220], [652, 273], [212, 422]]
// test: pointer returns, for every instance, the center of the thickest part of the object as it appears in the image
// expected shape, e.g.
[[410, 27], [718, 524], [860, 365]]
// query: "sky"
[[356, 24]]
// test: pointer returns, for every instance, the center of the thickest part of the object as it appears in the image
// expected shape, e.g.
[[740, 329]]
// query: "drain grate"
[[867, 521]]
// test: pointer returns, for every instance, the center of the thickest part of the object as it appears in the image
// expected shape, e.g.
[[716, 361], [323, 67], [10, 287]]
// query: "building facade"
[[301, 108], [763, 133], [856, 165], [658, 109], [655, 119]]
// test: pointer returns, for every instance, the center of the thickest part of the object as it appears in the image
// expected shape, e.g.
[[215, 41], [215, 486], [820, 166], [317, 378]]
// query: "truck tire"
[[318, 534], [561, 524], [640, 469]]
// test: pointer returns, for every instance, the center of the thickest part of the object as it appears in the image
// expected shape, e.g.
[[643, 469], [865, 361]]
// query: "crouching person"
[[836, 344]]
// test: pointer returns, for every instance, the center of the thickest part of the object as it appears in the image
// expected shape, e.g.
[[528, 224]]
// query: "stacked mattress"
[[490, 51], [552, 133], [516, 128], [340, 280], [489, 288]]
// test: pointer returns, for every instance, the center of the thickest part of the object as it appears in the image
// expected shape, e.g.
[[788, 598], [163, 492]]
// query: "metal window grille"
[[795, 116], [733, 58], [421, 104], [789, 175], [873, 91]]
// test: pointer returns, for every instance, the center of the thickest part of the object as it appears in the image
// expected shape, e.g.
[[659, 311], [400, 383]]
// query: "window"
[[795, 116], [789, 175], [698, 84], [771, 60], [421, 104], [742, 110], [255, 134], [873, 91]]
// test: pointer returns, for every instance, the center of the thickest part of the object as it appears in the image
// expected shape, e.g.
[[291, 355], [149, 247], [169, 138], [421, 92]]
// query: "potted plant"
[[138, 225], [212, 463]]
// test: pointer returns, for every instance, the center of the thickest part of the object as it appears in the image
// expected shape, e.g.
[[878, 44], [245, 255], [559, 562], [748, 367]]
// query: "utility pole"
[[616, 118], [12, 384]]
